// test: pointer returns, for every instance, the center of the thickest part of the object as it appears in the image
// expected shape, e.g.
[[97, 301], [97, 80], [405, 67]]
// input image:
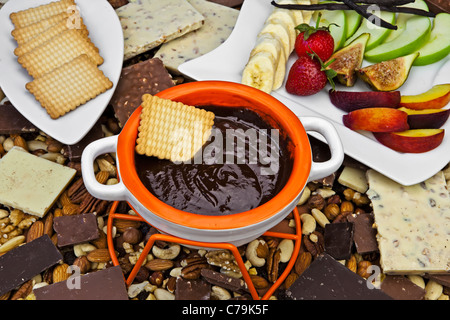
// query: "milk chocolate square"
[[75, 229], [401, 288], [364, 234], [327, 279], [196, 289], [106, 284], [20, 264], [149, 76]]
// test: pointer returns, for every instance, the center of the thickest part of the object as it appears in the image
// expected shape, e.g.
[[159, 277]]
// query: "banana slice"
[[270, 43], [287, 21], [297, 14], [306, 13], [259, 71], [279, 28]]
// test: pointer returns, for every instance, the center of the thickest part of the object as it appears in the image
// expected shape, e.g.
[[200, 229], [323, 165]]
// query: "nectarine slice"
[[435, 98], [353, 100], [426, 118], [377, 120], [411, 141]]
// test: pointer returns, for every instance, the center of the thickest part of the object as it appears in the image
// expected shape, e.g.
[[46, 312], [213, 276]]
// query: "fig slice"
[[348, 59], [353, 100], [388, 75]]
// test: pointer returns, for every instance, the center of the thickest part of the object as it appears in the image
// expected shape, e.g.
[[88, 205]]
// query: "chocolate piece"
[[364, 234], [12, 121], [106, 284], [401, 288], [327, 279], [197, 289], [74, 152], [117, 3], [339, 240], [75, 229], [443, 279], [224, 281], [228, 3], [149, 76], [438, 6], [20, 264]]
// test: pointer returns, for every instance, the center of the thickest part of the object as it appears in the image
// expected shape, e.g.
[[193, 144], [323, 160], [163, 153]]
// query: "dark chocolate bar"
[[197, 289], [12, 121], [401, 288], [327, 279], [20, 264], [106, 284], [339, 240]]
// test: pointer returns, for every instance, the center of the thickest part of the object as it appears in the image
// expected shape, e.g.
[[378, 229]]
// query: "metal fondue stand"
[[228, 246]]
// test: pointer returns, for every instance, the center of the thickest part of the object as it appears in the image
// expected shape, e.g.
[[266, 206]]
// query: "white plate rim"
[[105, 31], [404, 168]]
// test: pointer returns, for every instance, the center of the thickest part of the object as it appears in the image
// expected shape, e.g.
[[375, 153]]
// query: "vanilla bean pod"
[[367, 15]]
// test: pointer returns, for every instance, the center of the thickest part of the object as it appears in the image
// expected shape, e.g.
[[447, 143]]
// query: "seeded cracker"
[[61, 49], [172, 130], [25, 34], [29, 16], [48, 34], [69, 86]]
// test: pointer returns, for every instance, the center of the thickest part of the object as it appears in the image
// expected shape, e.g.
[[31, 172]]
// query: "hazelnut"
[[332, 211], [156, 278], [334, 199], [347, 207], [316, 201], [142, 275], [348, 194], [132, 235], [362, 269]]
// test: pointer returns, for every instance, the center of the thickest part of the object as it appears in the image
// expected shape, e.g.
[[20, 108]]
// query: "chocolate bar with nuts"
[[12, 121], [401, 288], [195, 289], [22, 263], [146, 77]]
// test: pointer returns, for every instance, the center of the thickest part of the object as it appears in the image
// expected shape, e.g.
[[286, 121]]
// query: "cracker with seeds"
[[61, 49], [32, 15], [48, 34], [172, 130], [25, 34], [69, 86]]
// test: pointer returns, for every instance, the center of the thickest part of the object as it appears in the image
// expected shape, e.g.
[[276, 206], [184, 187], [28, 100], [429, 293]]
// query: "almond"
[[259, 282], [48, 224], [60, 273], [70, 209], [99, 255], [159, 264], [123, 224], [102, 177], [303, 261], [36, 230], [20, 142]]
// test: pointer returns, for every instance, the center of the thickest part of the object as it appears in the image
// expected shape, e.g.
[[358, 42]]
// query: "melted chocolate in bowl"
[[244, 164]]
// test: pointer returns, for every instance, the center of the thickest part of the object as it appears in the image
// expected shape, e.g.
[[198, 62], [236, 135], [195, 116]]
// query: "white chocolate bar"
[[413, 224], [219, 23], [30, 183], [353, 178], [148, 23]]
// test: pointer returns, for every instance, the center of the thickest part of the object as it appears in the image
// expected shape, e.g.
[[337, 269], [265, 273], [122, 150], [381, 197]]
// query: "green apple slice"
[[339, 32], [438, 45], [353, 22], [416, 33], [377, 34], [402, 18]]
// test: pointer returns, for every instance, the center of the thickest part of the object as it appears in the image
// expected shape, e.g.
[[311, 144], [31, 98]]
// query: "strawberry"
[[308, 76], [314, 39]]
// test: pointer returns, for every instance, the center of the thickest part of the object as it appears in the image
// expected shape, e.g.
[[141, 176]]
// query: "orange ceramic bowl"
[[236, 228]]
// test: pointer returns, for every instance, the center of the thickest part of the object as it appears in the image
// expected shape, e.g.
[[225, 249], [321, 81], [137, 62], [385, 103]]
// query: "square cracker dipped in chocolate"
[[146, 77]]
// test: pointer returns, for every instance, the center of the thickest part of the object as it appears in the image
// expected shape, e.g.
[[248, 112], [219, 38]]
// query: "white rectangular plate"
[[227, 62], [105, 32]]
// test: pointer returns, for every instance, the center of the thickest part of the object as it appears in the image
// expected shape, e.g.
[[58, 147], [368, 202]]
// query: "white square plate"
[[227, 62], [105, 32]]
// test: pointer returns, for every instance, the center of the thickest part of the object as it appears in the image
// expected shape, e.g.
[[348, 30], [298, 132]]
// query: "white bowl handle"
[[326, 129], [115, 192]]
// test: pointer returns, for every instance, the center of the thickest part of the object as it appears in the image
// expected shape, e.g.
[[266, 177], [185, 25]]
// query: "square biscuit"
[[60, 49], [32, 15], [48, 34], [69, 86], [172, 130], [25, 34]]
